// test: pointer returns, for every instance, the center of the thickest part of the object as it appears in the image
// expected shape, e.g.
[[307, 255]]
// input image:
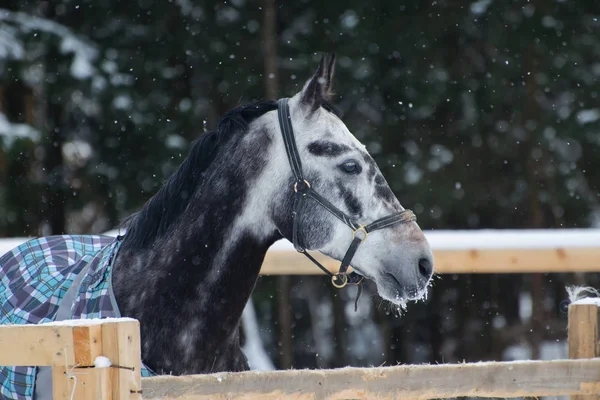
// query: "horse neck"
[[189, 286]]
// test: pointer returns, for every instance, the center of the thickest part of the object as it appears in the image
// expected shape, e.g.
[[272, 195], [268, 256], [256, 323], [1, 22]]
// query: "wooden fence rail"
[[72, 348], [496, 379], [467, 261], [459, 252]]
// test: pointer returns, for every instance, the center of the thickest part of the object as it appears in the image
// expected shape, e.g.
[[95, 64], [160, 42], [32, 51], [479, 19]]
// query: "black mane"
[[170, 201]]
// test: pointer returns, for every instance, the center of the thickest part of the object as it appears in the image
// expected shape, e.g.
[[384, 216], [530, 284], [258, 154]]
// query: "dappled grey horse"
[[189, 260]]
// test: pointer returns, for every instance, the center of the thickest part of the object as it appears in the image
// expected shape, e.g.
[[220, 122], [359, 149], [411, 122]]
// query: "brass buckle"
[[296, 185], [362, 229], [339, 285]]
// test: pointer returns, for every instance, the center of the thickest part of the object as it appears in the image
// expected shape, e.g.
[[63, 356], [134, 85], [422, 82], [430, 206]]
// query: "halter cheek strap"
[[303, 191]]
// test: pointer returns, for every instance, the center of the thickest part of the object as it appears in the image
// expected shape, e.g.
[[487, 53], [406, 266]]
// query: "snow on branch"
[[10, 47], [11, 131]]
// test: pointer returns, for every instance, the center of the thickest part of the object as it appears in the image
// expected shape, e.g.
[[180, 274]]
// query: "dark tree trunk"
[[284, 310], [536, 213], [52, 122], [55, 200], [270, 49], [339, 330]]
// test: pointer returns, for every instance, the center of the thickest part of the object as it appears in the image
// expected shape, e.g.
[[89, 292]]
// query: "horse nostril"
[[425, 268]]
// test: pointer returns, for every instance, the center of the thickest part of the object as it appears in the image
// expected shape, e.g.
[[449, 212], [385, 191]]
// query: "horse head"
[[332, 197]]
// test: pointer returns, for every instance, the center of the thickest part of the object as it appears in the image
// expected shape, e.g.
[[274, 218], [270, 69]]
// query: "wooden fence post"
[[583, 335], [121, 344], [71, 348]]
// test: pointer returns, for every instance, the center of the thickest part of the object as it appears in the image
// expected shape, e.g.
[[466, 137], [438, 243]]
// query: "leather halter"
[[303, 190]]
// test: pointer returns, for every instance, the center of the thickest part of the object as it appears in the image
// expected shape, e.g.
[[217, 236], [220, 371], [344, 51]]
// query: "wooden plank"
[[490, 379], [69, 345], [40, 345], [487, 261], [110, 347], [92, 384], [104, 384], [62, 385], [87, 341], [89, 384], [583, 336], [518, 260], [88, 346], [583, 330], [130, 355], [121, 344]]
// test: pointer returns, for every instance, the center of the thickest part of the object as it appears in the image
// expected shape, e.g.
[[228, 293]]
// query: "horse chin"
[[394, 291], [362, 273]]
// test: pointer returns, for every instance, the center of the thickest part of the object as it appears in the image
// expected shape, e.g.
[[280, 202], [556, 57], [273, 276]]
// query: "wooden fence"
[[72, 349], [460, 261], [477, 251], [457, 252]]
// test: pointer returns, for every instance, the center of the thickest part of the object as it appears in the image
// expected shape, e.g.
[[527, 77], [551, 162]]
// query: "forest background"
[[480, 114]]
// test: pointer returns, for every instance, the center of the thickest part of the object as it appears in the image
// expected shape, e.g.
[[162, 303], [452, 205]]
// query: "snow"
[[349, 19], [102, 362], [122, 102], [84, 56], [12, 131], [525, 306], [480, 7], [10, 46], [84, 53], [587, 116], [506, 239], [588, 300], [7, 245], [77, 150], [499, 239], [253, 347], [185, 6], [175, 141], [549, 350], [87, 322], [513, 239]]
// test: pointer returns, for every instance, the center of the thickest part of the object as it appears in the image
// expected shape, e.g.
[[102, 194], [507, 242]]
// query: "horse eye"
[[350, 167]]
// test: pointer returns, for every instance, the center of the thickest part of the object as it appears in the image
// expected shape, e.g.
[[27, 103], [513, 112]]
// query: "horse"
[[190, 258]]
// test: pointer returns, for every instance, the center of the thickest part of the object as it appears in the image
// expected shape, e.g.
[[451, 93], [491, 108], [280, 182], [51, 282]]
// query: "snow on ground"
[[8, 244], [500, 239], [558, 350], [86, 322], [459, 240], [253, 347]]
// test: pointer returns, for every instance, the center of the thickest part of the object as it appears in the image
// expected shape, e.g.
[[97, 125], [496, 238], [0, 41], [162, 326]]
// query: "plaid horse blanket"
[[50, 279]]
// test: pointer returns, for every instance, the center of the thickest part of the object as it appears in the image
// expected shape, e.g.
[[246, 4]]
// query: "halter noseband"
[[303, 189]]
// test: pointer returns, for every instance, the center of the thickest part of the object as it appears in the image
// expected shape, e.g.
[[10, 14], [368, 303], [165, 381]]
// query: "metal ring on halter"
[[344, 280], [296, 185], [362, 229]]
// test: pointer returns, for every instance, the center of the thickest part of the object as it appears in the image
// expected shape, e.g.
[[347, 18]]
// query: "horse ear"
[[318, 89]]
